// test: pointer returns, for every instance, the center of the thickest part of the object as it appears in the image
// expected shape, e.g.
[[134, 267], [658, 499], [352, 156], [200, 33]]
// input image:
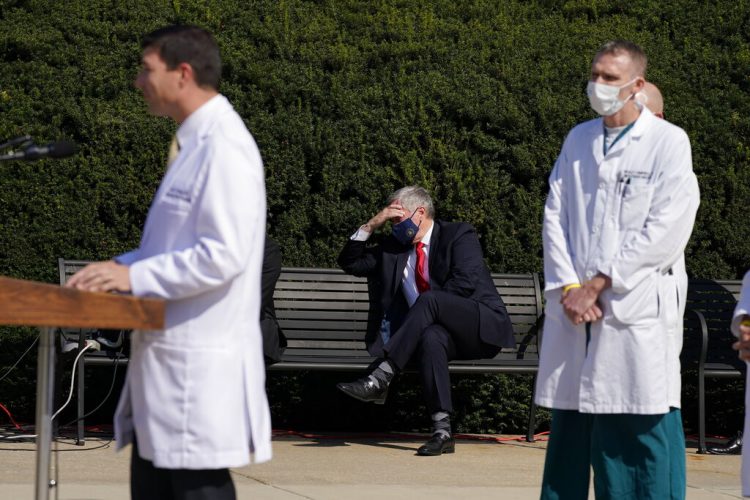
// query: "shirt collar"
[[195, 124], [643, 122], [428, 235]]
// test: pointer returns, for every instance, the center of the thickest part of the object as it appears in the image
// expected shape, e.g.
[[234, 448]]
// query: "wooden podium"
[[28, 303]]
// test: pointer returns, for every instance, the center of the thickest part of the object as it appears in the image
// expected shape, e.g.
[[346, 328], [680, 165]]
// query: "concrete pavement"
[[345, 467]]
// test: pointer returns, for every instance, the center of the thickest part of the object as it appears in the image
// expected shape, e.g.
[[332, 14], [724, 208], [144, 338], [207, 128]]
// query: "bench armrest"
[[704, 337], [532, 337], [539, 329]]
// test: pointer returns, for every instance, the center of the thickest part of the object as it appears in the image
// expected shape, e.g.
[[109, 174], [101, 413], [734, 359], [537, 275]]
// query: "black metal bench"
[[708, 340], [323, 313]]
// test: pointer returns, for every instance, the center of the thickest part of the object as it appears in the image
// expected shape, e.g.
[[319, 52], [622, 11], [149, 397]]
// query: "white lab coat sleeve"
[[743, 305], [127, 258], [558, 265], [743, 308], [230, 216], [669, 222]]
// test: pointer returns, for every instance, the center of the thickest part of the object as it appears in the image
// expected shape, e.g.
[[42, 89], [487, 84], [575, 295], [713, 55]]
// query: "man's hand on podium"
[[108, 276]]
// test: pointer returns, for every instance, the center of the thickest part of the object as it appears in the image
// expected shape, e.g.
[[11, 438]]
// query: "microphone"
[[22, 139], [59, 149]]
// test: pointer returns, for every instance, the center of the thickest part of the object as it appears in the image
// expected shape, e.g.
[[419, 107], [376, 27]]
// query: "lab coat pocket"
[[178, 196], [635, 200], [217, 383], [639, 305], [669, 301]]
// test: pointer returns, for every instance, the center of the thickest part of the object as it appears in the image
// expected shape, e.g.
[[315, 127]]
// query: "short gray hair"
[[413, 197]]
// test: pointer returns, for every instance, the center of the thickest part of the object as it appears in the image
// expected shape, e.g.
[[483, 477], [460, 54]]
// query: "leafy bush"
[[349, 100]]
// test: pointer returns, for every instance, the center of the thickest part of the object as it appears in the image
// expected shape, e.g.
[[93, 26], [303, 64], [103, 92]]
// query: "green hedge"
[[349, 100]]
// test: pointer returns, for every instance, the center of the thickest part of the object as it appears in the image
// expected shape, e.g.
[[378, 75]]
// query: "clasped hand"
[[581, 306], [743, 344]]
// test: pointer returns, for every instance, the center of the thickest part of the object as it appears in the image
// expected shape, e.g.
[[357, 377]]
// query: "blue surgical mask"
[[406, 230]]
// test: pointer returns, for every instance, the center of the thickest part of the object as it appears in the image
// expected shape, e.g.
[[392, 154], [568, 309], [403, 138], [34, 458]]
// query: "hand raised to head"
[[394, 211]]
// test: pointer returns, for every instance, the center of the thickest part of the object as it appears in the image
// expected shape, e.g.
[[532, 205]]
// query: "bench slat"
[[354, 353], [515, 282], [518, 313], [323, 325], [326, 344], [326, 335], [518, 299], [317, 277], [321, 295], [318, 305], [327, 285], [345, 315], [514, 291]]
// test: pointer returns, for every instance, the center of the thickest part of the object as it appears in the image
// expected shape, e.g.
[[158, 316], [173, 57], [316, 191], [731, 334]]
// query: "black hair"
[[188, 44]]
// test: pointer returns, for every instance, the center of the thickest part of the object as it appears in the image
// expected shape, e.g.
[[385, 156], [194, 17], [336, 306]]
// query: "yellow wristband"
[[567, 288]]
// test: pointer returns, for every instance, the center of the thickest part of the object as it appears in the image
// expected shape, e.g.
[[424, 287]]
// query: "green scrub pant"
[[633, 456]]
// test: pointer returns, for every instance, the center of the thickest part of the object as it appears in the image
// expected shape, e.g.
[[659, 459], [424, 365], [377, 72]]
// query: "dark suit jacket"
[[274, 340], [456, 265]]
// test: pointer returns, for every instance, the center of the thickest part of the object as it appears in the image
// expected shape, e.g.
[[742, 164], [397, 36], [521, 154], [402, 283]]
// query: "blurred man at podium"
[[194, 401]]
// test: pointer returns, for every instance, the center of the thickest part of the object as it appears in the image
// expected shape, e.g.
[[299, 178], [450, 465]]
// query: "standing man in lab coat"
[[650, 97], [194, 401], [741, 329], [620, 210]]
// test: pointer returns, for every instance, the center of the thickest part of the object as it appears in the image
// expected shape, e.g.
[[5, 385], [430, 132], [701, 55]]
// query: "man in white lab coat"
[[741, 328], [620, 210], [650, 97], [194, 401]]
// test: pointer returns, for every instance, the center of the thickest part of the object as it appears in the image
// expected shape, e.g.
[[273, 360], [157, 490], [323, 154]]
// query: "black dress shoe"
[[365, 390], [733, 447], [437, 445]]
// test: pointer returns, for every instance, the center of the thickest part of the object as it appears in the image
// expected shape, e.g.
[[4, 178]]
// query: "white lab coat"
[[195, 392], [628, 215], [743, 308], [675, 332]]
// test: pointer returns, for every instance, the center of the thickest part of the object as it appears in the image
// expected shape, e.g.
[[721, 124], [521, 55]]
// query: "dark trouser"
[[440, 327], [634, 457], [151, 483]]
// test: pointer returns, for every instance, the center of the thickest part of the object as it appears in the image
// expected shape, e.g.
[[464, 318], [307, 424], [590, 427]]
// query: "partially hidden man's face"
[[416, 215], [159, 84]]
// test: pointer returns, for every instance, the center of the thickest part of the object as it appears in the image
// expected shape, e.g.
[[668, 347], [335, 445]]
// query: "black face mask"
[[406, 230]]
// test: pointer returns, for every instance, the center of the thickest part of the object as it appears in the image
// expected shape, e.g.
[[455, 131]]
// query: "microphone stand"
[[45, 366]]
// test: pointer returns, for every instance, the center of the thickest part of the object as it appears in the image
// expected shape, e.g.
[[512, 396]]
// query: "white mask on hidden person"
[[605, 99]]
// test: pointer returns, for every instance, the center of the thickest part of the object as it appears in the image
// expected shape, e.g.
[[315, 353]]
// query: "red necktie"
[[422, 284]]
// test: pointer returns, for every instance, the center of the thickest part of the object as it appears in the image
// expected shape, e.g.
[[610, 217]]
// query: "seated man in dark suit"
[[431, 298], [274, 341]]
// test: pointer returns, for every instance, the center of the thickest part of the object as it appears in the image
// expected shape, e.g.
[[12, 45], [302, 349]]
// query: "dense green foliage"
[[350, 99]]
